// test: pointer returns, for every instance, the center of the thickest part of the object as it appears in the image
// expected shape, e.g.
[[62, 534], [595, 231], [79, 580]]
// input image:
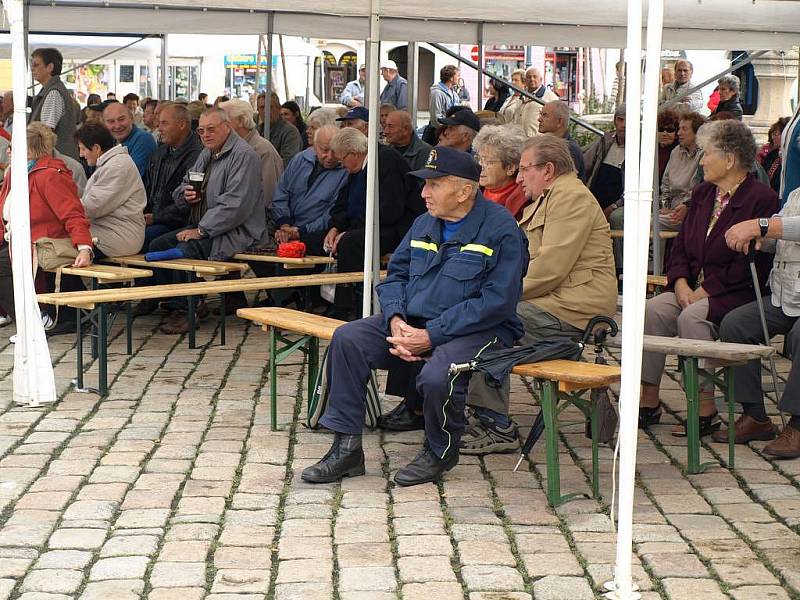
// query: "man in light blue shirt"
[[140, 144], [353, 93], [396, 90]]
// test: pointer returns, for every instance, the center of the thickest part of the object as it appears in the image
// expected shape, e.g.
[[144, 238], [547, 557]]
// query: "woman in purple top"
[[706, 278]]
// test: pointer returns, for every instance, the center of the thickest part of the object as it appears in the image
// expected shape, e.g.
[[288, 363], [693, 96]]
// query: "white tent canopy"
[[688, 24], [82, 48]]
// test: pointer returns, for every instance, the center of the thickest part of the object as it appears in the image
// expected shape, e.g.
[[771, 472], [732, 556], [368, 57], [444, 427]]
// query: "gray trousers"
[[663, 316], [743, 325], [539, 325]]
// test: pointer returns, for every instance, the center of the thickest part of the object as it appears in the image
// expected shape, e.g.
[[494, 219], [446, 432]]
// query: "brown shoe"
[[145, 307], [176, 324], [786, 445], [747, 430]]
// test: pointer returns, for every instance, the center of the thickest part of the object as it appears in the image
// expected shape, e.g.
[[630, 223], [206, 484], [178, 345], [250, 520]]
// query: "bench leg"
[[102, 343], [129, 327], [728, 377], [190, 317], [691, 386], [595, 452], [551, 442], [79, 349], [95, 331], [273, 379], [312, 351], [222, 319]]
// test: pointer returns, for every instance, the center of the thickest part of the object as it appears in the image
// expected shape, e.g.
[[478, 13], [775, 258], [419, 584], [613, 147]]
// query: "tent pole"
[[510, 85], [638, 190], [372, 216], [482, 65], [413, 81], [258, 66], [283, 67], [33, 378], [162, 91], [270, 74]]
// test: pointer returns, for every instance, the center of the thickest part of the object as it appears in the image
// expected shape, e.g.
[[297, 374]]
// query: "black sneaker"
[[426, 467], [487, 438]]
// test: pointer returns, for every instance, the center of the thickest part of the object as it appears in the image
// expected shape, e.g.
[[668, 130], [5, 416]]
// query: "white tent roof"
[[82, 48], [688, 24]]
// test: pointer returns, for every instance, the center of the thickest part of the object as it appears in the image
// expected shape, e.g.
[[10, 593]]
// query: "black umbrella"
[[497, 364]]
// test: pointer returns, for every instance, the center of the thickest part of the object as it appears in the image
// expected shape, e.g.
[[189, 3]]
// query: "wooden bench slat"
[[292, 320], [727, 351], [87, 299], [573, 374], [107, 272], [199, 266], [272, 258]]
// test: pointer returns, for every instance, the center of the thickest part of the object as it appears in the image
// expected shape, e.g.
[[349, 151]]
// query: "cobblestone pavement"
[[174, 487]]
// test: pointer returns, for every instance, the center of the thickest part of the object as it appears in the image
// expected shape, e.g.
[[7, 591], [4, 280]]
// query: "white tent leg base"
[[615, 594]]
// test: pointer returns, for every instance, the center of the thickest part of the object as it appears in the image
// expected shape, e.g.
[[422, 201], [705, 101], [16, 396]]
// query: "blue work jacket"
[[469, 284]]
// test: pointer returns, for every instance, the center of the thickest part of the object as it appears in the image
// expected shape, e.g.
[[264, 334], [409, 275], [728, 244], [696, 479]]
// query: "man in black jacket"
[[397, 209], [165, 171]]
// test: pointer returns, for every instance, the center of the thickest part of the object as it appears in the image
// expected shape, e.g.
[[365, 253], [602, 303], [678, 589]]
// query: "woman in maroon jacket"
[[55, 212], [706, 278]]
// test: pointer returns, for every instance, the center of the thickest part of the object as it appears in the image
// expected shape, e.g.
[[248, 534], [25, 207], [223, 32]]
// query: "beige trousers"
[[664, 317]]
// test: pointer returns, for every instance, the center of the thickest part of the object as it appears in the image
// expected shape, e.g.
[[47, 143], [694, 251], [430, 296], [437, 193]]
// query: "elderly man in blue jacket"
[[451, 294]]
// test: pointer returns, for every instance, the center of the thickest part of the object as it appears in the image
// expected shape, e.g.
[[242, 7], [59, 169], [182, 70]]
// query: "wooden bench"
[[725, 356], [311, 328], [305, 262], [104, 274], [664, 235], [98, 300], [568, 380], [191, 266]]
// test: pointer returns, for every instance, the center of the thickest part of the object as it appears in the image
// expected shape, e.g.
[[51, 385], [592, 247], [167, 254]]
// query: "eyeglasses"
[[485, 162], [667, 130], [526, 168]]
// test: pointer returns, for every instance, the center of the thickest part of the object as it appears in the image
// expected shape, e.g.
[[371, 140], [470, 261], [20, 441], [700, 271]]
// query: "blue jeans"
[[153, 231]]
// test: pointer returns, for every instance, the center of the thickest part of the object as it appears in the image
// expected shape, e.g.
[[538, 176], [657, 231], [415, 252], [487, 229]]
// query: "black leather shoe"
[[649, 416], [426, 467], [401, 419], [344, 459]]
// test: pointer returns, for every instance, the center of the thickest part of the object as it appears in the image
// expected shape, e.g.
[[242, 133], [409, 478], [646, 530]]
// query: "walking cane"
[[751, 258]]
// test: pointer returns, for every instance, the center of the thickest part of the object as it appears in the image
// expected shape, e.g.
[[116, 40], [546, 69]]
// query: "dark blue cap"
[[462, 117], [359, 112], [444, 161]]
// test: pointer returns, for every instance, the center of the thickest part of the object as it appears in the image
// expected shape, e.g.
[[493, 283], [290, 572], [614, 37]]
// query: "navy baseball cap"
[[463, 117], [444, 161], [359, 112]]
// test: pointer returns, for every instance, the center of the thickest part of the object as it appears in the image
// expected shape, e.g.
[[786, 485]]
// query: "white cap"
[[388, 64]]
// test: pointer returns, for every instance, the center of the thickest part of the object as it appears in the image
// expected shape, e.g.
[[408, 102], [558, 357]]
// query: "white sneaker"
[[5, 320], [47, 322], [13, 339]]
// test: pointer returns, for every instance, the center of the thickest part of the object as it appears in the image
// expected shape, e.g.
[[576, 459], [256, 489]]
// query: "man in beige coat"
[[570, 276]]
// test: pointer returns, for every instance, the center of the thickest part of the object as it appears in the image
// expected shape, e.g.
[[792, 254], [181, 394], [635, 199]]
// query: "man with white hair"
[[554, 119], [345, 235], [118, 118], [395, 91], [528, 114], [241, 115]]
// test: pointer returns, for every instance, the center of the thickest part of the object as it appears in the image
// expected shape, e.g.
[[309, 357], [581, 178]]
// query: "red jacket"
[[56, 210]]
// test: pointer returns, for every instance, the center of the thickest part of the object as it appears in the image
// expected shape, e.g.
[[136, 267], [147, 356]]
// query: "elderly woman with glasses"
[[667, 138], [706, 278], [728, 87], [498, 149]]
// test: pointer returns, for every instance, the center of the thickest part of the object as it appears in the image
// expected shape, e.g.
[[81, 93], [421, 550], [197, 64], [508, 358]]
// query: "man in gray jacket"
[[443, 98], [782, 310], [227, 214]]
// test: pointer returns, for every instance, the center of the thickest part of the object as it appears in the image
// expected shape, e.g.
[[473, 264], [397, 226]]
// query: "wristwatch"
[[763, 224], [202, 233]]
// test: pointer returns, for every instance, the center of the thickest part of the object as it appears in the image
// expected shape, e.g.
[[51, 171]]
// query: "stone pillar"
[[777, 81]]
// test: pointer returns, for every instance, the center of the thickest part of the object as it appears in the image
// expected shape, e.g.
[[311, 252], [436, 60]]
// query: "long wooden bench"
[[191, 266], [305, 262], [560, 379], [664, 235], [723, 356], [98, 300]]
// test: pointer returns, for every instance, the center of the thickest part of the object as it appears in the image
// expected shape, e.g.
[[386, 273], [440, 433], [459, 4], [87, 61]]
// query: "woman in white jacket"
[[114, 198]]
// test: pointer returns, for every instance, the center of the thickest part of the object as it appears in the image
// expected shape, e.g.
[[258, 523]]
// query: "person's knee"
[[349, 336], [433, 380], [163, 242], [732, 329]]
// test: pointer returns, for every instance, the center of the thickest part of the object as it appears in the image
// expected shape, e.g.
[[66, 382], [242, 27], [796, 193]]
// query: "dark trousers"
[[743, 325], [360, 346], [153, 231], [6, 281]]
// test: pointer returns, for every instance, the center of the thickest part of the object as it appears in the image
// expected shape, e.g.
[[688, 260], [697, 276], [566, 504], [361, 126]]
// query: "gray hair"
[[729, 81], [239, 110], [321, 117], [331, 129], [468, 131], [550, 149], [387, 106], [505, 140], [216, 111], [561, 110], [729, 137], [349, 140], [180, 112]]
